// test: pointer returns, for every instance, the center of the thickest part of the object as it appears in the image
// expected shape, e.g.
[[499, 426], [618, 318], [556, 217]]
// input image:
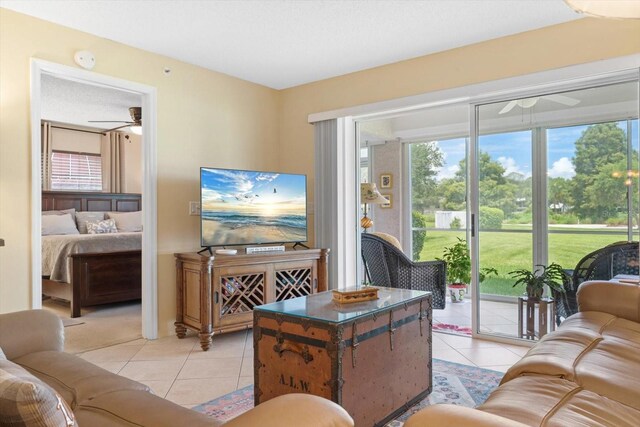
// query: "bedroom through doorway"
[[91, 211]]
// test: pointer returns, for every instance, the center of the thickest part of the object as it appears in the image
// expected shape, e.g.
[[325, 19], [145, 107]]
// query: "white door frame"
[[149, 181]]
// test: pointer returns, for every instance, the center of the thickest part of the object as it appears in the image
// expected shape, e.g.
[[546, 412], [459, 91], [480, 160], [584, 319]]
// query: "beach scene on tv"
[[246, 207]]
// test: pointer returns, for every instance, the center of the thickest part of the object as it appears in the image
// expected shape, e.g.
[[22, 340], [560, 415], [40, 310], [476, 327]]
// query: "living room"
[[202, 118]]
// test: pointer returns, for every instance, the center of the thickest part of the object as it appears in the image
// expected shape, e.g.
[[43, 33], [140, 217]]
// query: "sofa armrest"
[[29, 331], [619, 299], [294, 410], [444, 415]]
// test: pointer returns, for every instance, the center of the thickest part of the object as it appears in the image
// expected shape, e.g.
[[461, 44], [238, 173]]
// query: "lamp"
[[621, 9], [369, 194]]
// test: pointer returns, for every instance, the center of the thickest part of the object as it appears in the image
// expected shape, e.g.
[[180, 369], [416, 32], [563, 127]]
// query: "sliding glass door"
[[553, 177]]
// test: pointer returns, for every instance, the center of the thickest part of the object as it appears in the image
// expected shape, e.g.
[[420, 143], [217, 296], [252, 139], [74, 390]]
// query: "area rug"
[[452, 383], [446, 327]]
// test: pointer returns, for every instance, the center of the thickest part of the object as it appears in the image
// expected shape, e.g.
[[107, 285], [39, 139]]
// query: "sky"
[[234, 190], [513, 151]]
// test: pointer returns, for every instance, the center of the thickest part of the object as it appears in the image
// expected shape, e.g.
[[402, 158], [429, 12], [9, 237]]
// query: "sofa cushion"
[[597, 351], [27, 401], [137, 408], [75, 378], [544, 400], [556, 354], [528, 399]]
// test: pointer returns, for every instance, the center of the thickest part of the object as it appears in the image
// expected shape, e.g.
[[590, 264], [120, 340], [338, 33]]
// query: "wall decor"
[[386, 180], [389, 203]]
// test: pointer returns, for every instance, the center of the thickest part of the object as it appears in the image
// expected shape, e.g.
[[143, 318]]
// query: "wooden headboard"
[[91, 201]]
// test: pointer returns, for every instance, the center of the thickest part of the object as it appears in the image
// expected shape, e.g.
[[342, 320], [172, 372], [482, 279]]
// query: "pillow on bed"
[[83, 217], [71, 211], [102, 227], [58, 224], [127, 221]]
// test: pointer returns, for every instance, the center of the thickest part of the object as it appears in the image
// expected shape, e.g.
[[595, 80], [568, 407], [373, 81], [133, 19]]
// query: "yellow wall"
[[207, 118], [204, 119], [576, 42]]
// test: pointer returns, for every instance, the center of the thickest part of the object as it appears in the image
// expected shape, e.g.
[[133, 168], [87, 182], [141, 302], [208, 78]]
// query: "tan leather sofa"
[[34, 339], [587, 373]]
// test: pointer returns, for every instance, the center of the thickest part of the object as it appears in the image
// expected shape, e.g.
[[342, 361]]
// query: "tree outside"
[[594, 191]]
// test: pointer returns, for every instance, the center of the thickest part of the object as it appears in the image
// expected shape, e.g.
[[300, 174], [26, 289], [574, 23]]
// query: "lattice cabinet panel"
[[296, 282], [240, 294]]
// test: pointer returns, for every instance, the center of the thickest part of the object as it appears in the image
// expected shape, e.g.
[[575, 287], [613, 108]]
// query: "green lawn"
[[509, 251]]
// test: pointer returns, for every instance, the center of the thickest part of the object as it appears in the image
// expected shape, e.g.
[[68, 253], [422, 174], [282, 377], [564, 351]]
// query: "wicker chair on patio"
[[602, 264], [388, 266]]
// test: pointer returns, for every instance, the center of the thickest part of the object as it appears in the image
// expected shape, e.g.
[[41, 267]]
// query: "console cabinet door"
[[294, 279], [238, 290]]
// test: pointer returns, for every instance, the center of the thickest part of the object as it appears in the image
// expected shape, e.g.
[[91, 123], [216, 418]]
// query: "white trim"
[[149, 200], [549, 80]]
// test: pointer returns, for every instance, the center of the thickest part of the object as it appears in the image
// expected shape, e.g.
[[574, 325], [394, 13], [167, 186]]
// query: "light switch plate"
[[194, 208]]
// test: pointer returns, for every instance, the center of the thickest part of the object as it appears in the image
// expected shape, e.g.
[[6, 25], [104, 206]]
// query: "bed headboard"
[[91, 201]]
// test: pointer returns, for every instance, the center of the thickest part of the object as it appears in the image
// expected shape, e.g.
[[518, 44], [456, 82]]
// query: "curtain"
[[46, 156], [112, 154]]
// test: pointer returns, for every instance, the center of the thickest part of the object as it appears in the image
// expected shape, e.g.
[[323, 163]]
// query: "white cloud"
[[448, 172], [562, 168], [510, 166]]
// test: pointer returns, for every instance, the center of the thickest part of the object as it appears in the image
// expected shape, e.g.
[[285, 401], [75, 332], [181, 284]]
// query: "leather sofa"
[[586, 373], [34, 340]]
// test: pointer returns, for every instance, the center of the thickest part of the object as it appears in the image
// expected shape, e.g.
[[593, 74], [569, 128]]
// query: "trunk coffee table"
[[373, 357]]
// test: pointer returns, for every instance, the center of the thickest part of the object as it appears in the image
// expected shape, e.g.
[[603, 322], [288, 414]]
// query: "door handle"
[[473, 225]]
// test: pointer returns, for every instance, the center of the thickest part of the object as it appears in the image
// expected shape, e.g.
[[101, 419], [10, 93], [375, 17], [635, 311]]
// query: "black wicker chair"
[[388, 266], [602, 264]]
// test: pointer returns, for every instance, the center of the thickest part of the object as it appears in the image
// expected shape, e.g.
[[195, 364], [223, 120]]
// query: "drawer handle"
[[281, 347]]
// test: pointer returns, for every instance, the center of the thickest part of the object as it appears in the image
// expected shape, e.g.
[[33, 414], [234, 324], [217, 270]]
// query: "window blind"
[[76, 171]]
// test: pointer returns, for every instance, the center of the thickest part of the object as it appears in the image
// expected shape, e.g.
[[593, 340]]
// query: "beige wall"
[[207, 118], [577, 42], [133, 164], [204, 119]]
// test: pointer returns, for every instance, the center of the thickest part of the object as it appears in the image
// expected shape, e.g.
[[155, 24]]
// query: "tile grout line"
[[180, 370]]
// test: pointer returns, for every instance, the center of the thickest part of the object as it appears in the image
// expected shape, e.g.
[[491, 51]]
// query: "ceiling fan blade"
[[508, 107], [119, 127], [108, 121], [562, 99]]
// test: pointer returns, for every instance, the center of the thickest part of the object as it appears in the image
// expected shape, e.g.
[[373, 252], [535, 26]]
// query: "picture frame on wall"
[[389, 203], [386, 180]]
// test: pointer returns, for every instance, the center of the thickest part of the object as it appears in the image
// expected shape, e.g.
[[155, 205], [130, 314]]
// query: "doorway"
[[147, 95]]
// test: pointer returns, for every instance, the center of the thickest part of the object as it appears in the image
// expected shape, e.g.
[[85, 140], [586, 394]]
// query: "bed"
[[88, 269]]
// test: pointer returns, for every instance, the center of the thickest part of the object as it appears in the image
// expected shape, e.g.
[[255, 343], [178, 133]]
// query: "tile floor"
[[180, 371]]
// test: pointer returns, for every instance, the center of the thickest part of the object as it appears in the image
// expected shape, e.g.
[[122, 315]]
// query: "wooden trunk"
[[375, 366]]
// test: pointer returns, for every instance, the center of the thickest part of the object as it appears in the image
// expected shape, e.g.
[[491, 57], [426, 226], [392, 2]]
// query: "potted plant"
[[459, 270], [552, 276]]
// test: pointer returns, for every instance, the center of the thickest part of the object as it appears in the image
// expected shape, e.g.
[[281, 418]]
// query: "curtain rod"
[[78, 130]]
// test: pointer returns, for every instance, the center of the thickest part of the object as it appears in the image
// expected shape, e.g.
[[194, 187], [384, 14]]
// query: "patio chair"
[[602, 264], [386, 265]]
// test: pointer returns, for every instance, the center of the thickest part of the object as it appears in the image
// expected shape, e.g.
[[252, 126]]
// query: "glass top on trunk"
[[321, 306]]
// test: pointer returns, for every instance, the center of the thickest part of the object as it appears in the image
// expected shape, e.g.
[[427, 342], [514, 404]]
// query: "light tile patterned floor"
[[180, 371]]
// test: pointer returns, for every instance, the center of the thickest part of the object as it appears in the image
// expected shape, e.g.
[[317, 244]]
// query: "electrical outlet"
[[194, 208]]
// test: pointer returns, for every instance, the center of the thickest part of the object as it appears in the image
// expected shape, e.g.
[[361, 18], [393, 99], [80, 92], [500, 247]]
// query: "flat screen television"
[[242, 207]]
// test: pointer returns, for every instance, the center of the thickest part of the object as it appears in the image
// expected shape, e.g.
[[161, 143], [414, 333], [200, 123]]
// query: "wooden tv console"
[[217, 294]]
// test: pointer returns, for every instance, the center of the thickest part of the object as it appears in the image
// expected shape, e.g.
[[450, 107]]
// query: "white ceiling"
[[66, 101], [284, 43]]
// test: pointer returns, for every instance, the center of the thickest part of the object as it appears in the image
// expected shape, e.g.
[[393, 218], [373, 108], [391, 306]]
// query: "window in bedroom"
[[76, 171]]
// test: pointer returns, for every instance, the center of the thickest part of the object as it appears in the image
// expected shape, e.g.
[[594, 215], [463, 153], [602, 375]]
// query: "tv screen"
[[240, 207]]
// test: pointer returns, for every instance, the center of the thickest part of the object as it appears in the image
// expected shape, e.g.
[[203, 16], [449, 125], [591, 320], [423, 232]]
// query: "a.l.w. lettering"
[[300, 385]]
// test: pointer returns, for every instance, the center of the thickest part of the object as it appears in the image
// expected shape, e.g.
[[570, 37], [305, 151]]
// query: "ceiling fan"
[[530, 102], [136, 124]]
